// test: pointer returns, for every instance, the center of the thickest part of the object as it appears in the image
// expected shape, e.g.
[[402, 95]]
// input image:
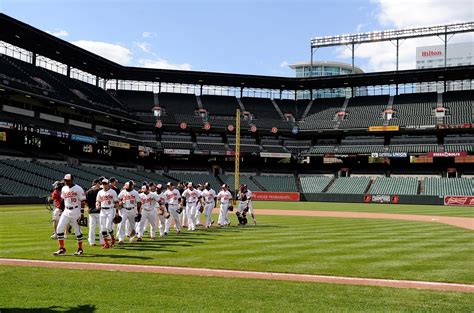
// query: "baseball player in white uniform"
[[163, 214], [130, 203], [107, 202], [245, 205], [192, 196], [172, 198], [148, 212], [74, 198], [209, 197], [199, 205], [224, 196]]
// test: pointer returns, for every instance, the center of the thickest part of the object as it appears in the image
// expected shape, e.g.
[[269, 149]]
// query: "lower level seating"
[[314, 184], [449, 186], [394, 186], [349, 185]]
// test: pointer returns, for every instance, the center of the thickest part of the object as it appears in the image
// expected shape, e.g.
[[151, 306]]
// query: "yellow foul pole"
[[237, 154]]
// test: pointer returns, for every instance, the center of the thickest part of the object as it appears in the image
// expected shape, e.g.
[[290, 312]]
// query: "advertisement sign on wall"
[[119, 144], [275, 196], [82, 138], [3, 136], [459, 200]]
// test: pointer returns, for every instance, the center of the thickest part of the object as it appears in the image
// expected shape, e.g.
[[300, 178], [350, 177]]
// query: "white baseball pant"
[[191, 214], [106, 218], [173, 216], [94, 223], [208, 212], [150, 217], [127, 216], [223, 219], [65, 220]]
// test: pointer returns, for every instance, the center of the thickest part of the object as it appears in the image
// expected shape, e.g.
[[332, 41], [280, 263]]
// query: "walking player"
[[73, 197], [245, 205], [58, 206], [224, 196], [172, 198], [129, 201], [107, 202], [192, 196], [148, 212], [209, 197], [94, 221]]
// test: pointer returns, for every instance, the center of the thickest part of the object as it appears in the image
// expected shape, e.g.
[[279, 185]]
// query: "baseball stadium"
[[125, 188]]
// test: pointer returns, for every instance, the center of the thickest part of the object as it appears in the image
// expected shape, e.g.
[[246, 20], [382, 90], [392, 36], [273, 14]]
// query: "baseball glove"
[[244, 198], [201, 209], [82, 221], [179, 210], [166, 215], [160, 211], [117, 219], [138, 218], [230, 208], [49, 204]]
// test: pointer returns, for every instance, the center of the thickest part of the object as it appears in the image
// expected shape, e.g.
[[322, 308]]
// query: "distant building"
[[326, 68], [459, 54]]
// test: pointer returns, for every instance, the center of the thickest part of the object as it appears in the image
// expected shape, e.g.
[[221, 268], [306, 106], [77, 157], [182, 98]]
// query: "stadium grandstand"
[[181, 125]]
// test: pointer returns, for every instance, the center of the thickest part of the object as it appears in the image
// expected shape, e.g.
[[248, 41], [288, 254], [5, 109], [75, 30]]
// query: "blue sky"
[[254, 37]]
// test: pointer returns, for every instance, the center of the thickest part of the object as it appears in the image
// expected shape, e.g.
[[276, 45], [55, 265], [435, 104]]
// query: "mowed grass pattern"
[[55, 290], [330, 246], [369, 207]]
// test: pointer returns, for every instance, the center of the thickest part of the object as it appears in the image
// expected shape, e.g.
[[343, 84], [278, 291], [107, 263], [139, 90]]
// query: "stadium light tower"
[[397, 35], [237, 154]]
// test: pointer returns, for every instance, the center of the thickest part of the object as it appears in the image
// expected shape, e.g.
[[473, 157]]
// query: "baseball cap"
[[96, 181], [105, 181], [190, 183], [169, 184], [112, 179], [56, 184], [68, 177], [224, 186]]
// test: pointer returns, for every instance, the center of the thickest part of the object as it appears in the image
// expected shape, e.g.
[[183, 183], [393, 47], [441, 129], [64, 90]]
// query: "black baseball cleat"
[[79, 252], [61, 251]]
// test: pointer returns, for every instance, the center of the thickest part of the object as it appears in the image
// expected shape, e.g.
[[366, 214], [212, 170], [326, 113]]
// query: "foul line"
[[439, 286]]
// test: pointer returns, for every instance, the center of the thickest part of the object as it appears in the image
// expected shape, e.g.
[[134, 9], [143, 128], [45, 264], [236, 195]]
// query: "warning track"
[[440, 286], [462, 222]]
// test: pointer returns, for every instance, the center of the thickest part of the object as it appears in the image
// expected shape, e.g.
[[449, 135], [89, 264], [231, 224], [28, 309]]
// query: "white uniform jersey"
[[107, 199], [248, 194], [72, 196], [148, 200], [129, 198], [161, 198], [224, 196], [171, 197], [191, 195], [209, 195]]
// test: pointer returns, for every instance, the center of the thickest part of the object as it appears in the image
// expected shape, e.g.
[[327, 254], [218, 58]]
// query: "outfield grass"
[[369, 207], [332, 246], [46, 290]]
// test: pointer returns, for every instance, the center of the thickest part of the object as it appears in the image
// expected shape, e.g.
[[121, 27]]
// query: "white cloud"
[[408, 13], [284, 64], [58, 33], [113, 52], [148, 34], [163, 64], [144, 46]]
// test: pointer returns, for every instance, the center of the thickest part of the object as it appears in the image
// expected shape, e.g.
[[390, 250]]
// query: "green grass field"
[[369, 207], [48, 290], [312, 245]]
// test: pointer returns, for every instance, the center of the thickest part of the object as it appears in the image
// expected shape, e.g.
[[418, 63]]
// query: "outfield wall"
[[310, 197]]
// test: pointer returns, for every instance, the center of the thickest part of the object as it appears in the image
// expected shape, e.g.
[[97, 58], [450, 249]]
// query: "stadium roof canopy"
[[32, 39]]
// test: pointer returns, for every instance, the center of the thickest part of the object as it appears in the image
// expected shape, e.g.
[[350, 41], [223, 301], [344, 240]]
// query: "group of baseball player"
[[132, 213]]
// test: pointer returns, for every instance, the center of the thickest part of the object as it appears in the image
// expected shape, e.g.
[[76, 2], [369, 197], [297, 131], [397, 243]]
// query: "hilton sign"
[[431, 53]]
